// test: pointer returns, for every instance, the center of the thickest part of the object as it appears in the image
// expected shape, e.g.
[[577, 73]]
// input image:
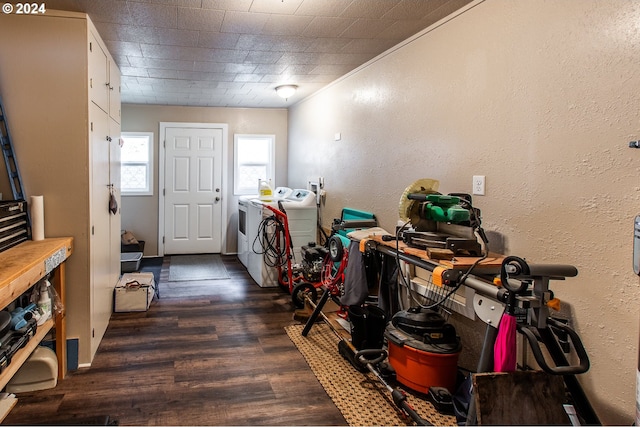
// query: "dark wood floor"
[[212, 353]]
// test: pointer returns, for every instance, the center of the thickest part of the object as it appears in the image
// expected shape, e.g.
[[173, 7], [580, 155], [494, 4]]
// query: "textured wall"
[[539, 96], [140, 213]]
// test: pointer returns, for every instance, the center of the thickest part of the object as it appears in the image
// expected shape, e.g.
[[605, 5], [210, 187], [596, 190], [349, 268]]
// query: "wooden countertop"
[[22, 266]]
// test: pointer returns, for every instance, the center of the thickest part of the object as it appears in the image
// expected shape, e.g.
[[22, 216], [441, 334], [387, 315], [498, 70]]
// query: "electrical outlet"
[[478, 185]]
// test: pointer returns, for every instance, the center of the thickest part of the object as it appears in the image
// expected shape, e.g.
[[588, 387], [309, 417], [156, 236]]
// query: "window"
[[253, 161], [136, 159]]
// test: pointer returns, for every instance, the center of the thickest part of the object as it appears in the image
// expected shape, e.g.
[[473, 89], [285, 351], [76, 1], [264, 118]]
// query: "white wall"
[[541, 97], [140, 213]]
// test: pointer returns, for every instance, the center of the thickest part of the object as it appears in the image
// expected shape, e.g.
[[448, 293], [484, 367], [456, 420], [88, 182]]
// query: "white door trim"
[[161, 173]]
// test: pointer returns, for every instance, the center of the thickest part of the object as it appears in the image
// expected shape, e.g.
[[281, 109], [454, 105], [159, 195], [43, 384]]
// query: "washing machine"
[[302, 216], [248, 228]]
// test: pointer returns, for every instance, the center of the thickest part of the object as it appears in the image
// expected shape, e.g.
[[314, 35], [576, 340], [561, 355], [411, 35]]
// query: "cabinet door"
[[114, 91], [102, 283], [114, 179], [98, 74]]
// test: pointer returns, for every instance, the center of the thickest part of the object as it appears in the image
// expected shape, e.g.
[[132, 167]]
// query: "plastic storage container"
[[130, 262], [39, 372]]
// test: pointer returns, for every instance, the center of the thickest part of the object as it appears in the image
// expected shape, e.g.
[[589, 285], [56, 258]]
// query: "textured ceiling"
[[233, 53]]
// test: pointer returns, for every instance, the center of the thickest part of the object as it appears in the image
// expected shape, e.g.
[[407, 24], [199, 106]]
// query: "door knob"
[[217, 199]]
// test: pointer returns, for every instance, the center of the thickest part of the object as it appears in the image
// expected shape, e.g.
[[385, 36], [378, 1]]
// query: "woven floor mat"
[[361, 398]]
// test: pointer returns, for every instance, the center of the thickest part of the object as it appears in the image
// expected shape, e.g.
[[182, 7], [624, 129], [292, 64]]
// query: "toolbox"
[[14, 223], [134, 292]]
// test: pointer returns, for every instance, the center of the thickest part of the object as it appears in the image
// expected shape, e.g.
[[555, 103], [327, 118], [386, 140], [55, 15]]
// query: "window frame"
[[271, 168], [148, 164]]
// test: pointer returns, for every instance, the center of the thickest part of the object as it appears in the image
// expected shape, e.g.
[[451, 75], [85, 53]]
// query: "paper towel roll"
[[37, 217]]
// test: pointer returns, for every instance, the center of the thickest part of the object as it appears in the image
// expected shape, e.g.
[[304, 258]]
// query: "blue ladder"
[[10, 158]]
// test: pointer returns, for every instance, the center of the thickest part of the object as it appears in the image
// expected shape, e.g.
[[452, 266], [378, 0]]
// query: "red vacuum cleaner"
[[423, 349]]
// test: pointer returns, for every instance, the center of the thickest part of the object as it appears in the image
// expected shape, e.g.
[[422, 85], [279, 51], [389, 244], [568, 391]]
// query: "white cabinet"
[[115, 226], [104, 127], [61, 92], [114, 92], [105, 225], [104, 78], [98, 73], [103, 222]]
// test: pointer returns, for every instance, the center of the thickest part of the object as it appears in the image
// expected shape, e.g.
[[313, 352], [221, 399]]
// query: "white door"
[[193, 193]]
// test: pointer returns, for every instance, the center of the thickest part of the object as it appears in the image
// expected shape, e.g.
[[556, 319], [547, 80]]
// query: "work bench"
[[21, 267], [425, 269], [428, 273], [489, 265], [438, 277]]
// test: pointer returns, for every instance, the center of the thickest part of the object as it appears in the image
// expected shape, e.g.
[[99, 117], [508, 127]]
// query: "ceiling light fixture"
[[285, 91]]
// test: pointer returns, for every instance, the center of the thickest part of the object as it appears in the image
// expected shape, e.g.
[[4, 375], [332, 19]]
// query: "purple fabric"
[[504, 349]]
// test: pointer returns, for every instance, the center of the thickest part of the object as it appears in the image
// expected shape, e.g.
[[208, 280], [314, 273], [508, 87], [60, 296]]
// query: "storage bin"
[[134, 292], [39, 372], [130, 262], [134, 247]]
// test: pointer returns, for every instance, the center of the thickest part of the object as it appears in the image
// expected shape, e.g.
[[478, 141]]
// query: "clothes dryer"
[[302, 215], [248, 227], [263, 275], [243, 233]]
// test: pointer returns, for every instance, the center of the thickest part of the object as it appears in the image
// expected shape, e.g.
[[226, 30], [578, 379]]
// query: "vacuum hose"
[[370, 357]]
